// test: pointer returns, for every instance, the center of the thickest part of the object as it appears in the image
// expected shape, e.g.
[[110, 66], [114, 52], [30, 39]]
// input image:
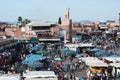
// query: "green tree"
[[25, 21], [20, 21], [59, 20]]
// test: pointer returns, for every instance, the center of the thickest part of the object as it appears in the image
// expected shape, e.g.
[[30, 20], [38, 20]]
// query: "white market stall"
[[9, 77], [112, 59], [40, 75], [117, 67], [94, 62], [72, 46], [86, 45], [94, 65]]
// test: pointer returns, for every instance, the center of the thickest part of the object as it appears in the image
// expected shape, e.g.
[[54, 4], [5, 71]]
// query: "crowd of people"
[[11, 58]]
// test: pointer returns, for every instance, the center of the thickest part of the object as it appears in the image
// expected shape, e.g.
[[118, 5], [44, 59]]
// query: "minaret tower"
[[67, 15], [67, 24]]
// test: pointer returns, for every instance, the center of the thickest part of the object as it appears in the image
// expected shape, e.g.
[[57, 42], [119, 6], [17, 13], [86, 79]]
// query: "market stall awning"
[[57, 59], [32, 58], [34, 40], [97, 64], [94, 62], [86, 45], [35, 48], [42, 52], [115, 64], [112, 59], [96, 49], [9, 77], [102, 54]]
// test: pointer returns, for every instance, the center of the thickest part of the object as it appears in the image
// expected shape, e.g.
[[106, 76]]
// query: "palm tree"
[[20, 21], [26, 21]]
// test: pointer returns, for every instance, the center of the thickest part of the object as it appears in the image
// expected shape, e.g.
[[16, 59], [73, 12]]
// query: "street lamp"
[[119, 22]]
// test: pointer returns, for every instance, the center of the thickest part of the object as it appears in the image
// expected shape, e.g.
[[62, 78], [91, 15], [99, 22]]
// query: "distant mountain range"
[[89, 21], [9, 22], [15, 22]]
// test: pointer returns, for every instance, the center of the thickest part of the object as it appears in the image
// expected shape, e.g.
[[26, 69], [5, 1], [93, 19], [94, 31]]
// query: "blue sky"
[[50, 10]]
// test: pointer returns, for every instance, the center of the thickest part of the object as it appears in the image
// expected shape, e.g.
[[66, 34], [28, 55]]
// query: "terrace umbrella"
[[79, 56], [69, 52], [30, 55], [101, 54], [32, 58], [52, 52], [34, 48], [87, 49], [42, 52], [96, 49], [36, 64], [34, 40], [82, 78], [59, 43], [51, 45], [64, 49], [57, 59]]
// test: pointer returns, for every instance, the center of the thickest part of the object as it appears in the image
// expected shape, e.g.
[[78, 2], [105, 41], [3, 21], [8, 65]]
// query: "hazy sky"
[[50, 10]]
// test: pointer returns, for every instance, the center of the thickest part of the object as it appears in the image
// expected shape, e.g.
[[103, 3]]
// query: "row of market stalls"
[[79, 47], [102, 61], [90, 49]]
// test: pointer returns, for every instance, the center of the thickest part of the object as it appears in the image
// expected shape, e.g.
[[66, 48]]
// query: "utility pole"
[[119, 22]]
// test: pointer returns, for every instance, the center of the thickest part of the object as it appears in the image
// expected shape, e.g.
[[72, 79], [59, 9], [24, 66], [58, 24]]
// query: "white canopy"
[[86, 45], [9, 78], [72, 46], [115, 64], [113, 59], [94, 62], [33, 74], [88, 58]]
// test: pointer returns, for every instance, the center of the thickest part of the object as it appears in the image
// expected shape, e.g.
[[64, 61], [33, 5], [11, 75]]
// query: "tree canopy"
[[19, 19], [22, 22], [25, 21]]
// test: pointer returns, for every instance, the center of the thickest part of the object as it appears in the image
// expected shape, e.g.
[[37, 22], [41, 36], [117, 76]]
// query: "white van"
[[40, 75]]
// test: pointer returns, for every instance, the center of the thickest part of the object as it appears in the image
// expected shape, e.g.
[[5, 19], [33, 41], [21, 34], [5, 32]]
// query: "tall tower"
[[67, 24], [66, 15]]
